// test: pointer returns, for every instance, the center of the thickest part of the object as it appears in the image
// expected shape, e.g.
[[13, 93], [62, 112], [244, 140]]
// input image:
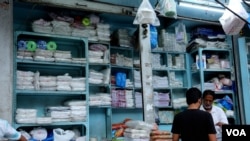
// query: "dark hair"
[[208, 92], [193, 95]]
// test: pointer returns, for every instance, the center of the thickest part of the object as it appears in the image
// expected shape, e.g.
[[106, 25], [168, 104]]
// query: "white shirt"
[[218, 116], [7, 131]]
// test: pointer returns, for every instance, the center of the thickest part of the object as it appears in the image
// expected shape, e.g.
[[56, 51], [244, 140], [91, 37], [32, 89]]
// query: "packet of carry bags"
[[231, 23]]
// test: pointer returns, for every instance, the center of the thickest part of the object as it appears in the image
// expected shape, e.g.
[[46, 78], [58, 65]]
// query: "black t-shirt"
[[193, 125]]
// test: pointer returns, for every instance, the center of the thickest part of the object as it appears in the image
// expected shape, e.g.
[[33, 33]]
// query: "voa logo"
[[236, 132]]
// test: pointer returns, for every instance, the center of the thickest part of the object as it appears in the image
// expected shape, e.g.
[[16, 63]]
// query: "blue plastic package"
[[153, 37]]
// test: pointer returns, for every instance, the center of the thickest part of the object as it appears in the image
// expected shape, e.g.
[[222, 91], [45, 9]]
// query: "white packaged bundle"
[[43, 120], [62, 54], [64, 77], [59, 114], [75, 103], [42, 52], [25, 73]]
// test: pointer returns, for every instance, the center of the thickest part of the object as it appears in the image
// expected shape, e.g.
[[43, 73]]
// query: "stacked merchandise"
[[101, 77], [179, 103], [122, 38], [121, 60], [156, 61], [136, 62], [78, 84], [98, 53], [78, 109], [62, 56], [26, 115], [161, 99], [100, 99], [166, 116], [158, 135], [137, 131], [167, 40], [47, 83], [25, 80], [129, 98], [137, 79], [177, 61], [58, 113], [42, 26], [43, 55], [174, 82], [122, 98], [138, 100], [63, 82], [103, 32], [129, 83], [61, 27], [78, 112], [207, 37], [160, 81]]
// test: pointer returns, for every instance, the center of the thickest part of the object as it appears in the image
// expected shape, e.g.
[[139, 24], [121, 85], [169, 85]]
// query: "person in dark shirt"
[[193, 124]]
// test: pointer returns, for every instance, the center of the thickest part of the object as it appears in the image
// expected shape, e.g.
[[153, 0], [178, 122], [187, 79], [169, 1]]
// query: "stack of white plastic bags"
[[160, 81], [63, 56], [137, 131], [123, 38], [98, 53], [43, 55], [137, 79], [63, 82], [78, 109], [99, 77], [100, 99], [179, 103], [26, 115], [25, 80], [138, 100], [42, 26], [129, 98], [78, 84], [103, 32], [24, 54], [156, 61], [58, 113], [161, 99], [46, 83]]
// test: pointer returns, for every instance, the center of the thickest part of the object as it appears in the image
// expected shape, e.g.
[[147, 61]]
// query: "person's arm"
[[22, 138], [176, 137], [212, 137]]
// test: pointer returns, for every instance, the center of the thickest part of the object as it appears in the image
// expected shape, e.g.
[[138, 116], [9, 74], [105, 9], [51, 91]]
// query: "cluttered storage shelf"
[[50, 85]]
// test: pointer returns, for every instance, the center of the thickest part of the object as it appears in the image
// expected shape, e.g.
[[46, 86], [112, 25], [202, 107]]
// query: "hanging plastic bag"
[[181, 34], [232, 24], [167, 8], [146, 14], [153, 37]]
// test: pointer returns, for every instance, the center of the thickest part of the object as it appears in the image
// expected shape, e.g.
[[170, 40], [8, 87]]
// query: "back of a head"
[[193, 95]]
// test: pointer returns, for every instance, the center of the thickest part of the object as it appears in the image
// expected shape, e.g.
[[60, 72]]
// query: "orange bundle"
[[158, 135]]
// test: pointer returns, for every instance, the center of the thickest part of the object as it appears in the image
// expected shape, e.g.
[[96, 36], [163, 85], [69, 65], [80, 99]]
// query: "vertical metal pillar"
[[146, 73]]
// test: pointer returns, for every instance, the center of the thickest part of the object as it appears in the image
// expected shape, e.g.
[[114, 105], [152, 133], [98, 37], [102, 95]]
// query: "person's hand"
[[23, 138], [220, 124]]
